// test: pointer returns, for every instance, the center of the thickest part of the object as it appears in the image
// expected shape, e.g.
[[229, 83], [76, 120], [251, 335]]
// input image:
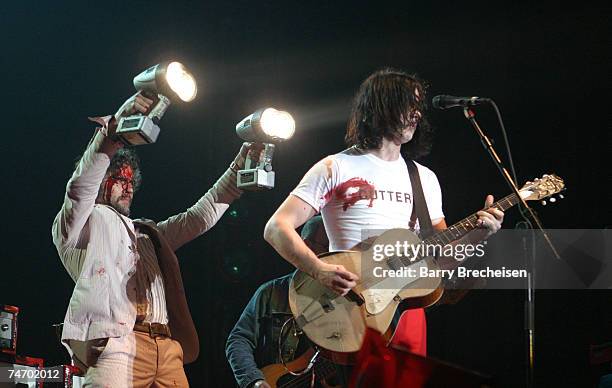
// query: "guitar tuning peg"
[[553, 199], [561, 196], [544, 203]]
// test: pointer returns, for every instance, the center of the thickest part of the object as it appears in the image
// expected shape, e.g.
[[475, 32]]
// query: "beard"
[[122, 205]]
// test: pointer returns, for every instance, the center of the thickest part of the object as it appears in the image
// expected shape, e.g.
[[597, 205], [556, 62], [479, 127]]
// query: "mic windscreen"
[[438, 102]]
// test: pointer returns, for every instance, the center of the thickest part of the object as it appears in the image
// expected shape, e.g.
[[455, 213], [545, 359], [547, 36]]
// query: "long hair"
[[382, 107]]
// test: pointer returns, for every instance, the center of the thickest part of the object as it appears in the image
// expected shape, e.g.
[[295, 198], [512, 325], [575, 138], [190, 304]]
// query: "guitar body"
[[338, 323], [275, 373], [278, 376]]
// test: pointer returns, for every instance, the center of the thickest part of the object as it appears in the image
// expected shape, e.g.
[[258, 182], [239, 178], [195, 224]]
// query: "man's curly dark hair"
[[381, 108], [127, 156], [123, 156]]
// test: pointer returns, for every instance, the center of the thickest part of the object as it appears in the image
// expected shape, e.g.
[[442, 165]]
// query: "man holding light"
[[128, 323]]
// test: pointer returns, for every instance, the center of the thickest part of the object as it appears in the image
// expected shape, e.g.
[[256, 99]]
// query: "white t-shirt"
[[360, 195]]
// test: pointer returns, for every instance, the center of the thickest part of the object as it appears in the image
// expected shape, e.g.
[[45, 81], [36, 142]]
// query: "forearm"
[[81, 192], [239, 353], [287, 242], [106, 142], [204, 214]]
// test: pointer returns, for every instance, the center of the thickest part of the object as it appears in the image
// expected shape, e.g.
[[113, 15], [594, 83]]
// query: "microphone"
[[444, 101]]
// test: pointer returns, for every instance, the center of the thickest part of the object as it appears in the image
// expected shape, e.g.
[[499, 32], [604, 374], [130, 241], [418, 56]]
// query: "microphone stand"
[[531, 219]]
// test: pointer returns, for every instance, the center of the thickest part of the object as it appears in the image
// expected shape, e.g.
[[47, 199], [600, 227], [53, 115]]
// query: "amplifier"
[[8, 329]]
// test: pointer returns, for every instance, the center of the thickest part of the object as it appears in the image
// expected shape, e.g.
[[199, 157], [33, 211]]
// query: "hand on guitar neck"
[[489, 221]]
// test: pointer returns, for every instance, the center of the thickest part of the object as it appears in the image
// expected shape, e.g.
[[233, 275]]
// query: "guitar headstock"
[[541, 188]]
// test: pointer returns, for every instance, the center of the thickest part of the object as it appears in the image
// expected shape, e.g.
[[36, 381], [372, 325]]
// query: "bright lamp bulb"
[[181, 81], [277, 124]]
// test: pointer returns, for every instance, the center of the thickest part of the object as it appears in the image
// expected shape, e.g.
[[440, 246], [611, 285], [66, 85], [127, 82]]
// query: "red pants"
[[411, 332]]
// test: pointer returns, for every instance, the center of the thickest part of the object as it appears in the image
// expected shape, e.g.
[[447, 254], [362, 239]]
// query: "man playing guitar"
[[366, 189]]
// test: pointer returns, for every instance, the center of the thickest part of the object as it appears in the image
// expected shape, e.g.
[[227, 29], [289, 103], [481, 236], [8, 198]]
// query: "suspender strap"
[[419, 206]]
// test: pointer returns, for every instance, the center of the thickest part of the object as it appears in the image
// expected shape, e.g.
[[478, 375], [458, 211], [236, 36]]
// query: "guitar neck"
[[466, 225]]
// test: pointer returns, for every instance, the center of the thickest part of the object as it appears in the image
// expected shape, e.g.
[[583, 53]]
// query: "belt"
[[153, 329]]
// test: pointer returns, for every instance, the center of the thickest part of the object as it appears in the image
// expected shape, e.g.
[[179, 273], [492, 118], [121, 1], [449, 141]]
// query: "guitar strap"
[[419, 205]]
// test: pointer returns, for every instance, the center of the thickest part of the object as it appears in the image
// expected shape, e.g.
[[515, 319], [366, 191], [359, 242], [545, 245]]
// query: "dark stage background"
[[545, 65]]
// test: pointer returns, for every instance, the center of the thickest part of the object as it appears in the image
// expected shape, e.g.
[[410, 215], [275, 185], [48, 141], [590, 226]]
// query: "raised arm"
[[81, 192], [205, 213], [82, 188]]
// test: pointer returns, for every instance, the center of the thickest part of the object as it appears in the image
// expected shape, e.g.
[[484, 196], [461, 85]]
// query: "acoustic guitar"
[[338, 323]]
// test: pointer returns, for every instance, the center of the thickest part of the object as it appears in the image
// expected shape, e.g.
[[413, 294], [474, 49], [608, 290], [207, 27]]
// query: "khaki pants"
[[135, 360]]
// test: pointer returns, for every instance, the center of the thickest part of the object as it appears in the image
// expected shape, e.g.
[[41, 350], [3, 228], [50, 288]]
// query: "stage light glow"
[[277, 124], [181, 81]]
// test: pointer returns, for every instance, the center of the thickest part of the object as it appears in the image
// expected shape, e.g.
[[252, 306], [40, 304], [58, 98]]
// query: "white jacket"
[[96, 245]]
